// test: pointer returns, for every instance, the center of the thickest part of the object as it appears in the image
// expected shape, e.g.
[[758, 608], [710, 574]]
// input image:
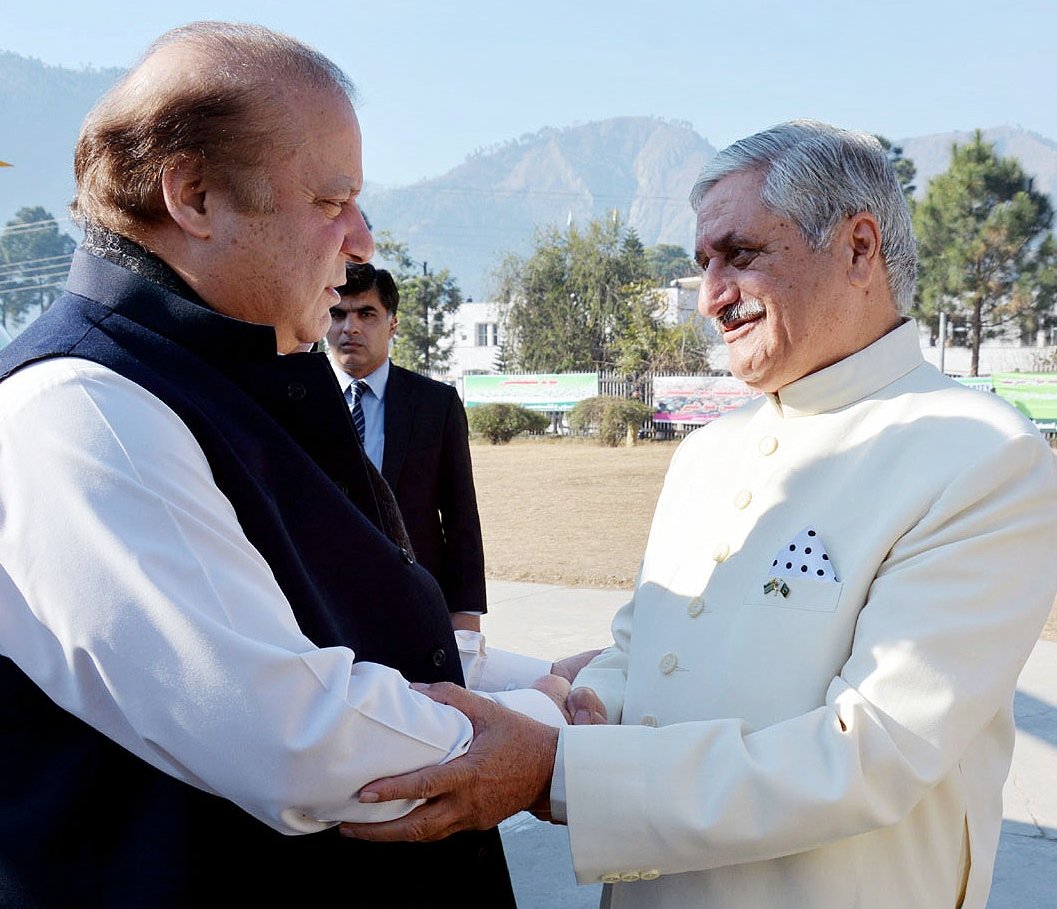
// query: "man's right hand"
[[507, 769]]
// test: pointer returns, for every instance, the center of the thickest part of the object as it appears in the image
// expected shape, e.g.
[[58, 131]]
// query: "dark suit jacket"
[[427, 464]]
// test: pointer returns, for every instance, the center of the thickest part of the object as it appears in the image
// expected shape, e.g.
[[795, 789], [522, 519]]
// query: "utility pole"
[[425, 311], [943, 337]]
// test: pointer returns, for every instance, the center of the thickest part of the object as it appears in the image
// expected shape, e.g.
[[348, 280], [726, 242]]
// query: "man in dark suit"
[[414, 431]]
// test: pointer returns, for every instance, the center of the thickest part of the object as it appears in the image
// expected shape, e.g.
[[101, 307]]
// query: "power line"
[[21, 227], [542, 193], [31, 264], [35, 288]]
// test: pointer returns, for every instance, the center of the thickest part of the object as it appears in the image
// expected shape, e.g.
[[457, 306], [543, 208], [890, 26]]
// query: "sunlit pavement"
[[551, 621]]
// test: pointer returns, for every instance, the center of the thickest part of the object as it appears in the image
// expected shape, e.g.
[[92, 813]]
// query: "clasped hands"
[[507, 769], [580, 706]]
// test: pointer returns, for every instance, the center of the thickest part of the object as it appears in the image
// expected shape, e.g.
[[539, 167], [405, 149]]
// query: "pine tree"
[[984, 249]]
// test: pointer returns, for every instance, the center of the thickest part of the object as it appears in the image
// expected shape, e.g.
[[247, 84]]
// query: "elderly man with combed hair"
[[209, 610], [814, 678]]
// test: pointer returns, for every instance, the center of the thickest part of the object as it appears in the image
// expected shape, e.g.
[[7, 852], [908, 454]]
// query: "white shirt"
[[130, 595]]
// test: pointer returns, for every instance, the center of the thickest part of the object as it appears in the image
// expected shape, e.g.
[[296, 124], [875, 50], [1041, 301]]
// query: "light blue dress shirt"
[[373, 404]]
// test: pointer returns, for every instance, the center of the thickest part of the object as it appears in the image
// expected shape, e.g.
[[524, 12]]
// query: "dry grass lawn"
[[567, 511], [571, 512]]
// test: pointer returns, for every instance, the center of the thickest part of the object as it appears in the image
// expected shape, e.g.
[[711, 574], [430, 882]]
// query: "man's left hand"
[[507, 769], [569, 667]]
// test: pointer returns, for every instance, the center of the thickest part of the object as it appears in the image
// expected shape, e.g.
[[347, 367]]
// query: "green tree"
[[985, 255], [614, 420], [568, 303], [666, 262], [905, 169], [499, 423], [649, 344], [427, 302], [34, 261]]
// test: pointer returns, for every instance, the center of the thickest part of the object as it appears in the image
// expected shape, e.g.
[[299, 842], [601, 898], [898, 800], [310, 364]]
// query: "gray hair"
[[224, 109], [817, 175]]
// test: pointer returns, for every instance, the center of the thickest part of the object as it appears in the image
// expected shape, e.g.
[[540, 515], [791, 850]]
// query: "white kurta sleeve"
[[131, 596]]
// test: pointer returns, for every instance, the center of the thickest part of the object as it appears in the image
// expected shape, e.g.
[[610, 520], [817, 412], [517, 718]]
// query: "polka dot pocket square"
[[801, 576], [804, 557]]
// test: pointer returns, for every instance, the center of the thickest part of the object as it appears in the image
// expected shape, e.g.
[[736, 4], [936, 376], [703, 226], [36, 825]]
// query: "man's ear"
[[184, 191], [864, 245], [393, 322]]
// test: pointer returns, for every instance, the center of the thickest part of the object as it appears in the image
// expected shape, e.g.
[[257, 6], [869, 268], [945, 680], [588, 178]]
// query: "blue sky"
[[440, 79]]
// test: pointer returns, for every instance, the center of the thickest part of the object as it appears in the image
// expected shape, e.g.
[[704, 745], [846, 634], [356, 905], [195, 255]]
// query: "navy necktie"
[[389, 518], [354, 393]]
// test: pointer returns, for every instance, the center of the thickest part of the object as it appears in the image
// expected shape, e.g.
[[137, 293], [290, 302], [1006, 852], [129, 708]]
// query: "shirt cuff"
[[489, 669], [559, 813], [531, 703]]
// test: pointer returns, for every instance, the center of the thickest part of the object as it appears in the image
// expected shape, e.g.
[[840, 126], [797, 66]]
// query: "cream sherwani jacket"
[[832, 741]]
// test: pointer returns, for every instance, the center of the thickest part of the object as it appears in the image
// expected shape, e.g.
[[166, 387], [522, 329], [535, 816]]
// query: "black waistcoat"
[[83, 823]]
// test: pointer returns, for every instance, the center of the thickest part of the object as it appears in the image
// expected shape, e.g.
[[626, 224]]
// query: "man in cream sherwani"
[[811, 689]]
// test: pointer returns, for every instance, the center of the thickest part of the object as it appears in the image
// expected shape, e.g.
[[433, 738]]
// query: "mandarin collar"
[[854, 378]]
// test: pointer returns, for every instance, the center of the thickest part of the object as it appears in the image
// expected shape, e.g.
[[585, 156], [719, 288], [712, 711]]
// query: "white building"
[[475, 341]]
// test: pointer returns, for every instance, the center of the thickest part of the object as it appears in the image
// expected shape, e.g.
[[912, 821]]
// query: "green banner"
[[1034, 394], [980, 383], [543, 391]]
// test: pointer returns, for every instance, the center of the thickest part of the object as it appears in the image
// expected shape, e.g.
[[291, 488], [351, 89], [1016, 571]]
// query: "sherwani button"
[[721, 552], [629, 877], [768, 445], [439, 657], [648, 719], [295, 391], [742, 499], [650, 875], [668, 663], [695, 607], [611, 878]]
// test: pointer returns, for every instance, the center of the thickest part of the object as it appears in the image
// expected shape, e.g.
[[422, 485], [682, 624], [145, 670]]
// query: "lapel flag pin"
[[776, 586]]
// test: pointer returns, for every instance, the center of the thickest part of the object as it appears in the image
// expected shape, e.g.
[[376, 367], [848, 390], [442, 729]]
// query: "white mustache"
[[745, 308]]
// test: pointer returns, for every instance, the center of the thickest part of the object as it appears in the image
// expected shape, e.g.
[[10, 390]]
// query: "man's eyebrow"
[[728, 241], [339, 186]]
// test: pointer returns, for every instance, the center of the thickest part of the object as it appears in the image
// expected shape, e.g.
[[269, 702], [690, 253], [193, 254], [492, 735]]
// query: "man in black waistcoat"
[[209, 609]]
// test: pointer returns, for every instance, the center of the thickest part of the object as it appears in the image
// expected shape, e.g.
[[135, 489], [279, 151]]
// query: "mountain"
[[41, 109], [468, 219]]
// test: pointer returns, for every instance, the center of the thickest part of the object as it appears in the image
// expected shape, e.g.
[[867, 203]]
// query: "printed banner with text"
[[546, 391], [697, 399]]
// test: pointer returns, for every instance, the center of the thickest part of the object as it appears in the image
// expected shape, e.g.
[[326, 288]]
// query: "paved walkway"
[[552, 621]]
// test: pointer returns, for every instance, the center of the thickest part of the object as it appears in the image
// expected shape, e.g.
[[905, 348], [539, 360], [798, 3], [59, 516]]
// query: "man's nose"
[[717, 290], [359, 243]]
